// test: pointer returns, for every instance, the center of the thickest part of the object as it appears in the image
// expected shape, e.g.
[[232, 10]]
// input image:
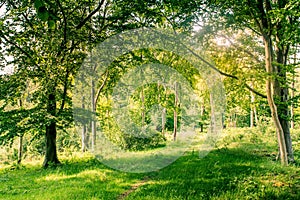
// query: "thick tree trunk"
[[51, 151], [281, 95], [271, 102]]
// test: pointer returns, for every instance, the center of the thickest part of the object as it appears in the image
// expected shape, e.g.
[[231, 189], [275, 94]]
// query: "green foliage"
[[133, 139]]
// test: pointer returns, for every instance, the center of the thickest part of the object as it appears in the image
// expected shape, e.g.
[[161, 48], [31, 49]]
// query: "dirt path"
[[133, 188]]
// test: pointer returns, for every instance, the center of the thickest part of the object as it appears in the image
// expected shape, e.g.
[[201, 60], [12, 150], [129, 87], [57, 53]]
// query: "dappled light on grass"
[[91, 174], [233, 170], [153, 159]]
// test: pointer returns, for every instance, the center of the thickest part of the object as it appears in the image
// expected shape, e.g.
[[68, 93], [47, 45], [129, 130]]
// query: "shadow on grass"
[[74, 179], [222, 174]]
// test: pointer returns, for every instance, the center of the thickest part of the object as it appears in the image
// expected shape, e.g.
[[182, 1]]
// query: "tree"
[[48, 41], [277, 22]]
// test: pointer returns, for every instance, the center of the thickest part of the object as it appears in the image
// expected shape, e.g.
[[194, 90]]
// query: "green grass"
[[241, 167]]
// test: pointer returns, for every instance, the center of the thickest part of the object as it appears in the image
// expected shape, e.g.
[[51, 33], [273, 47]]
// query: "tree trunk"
[[20, 149], [83, 131], [51, 151], [281, 95], [164, 113], [293, 92], [83, 139], [93, 123], [202, 112], [273, 107], [255, 115], [292, 105], [143, 107], [252, 109], [163, 121], [175, 113]]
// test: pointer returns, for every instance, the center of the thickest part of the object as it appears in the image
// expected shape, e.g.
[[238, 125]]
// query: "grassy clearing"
[[242, 166]]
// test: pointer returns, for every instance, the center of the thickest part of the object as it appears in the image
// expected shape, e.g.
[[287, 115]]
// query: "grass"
[[242, 166]]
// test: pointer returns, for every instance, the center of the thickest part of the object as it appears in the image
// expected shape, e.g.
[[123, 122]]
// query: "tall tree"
[[277, 22], [48, 40]]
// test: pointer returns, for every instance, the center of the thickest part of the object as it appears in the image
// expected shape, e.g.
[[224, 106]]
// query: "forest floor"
[[241, 166]]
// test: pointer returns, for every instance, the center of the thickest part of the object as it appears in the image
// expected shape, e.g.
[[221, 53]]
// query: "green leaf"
[[51, 24], [38, 4], [43, 14]]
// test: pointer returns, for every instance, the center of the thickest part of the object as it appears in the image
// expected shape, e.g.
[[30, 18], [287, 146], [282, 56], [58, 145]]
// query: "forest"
[[149, 99]]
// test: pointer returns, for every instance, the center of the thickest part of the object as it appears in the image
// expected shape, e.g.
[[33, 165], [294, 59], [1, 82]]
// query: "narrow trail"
[[133, 188]]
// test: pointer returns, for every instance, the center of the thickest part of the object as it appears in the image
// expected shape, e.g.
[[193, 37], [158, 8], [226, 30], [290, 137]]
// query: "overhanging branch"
[[90, 15], [225, 74]]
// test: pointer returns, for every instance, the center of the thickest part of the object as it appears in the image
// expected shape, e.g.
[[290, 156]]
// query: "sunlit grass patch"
[[239, 167]]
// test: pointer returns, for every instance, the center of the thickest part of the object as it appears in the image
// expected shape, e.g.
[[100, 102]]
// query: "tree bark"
[[83, 132], [175, 113], [293, 92], [93, 123], [143, 107], [281, 95], [51, 150], [164, 113], [252, 114], [20, 149], [163, 121], [271, 102], [202, 112]]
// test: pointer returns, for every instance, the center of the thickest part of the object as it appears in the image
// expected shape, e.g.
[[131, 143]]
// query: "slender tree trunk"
[[163, 121], [251, 117], [255, 115], [164, 113], [292, 105], [273, 107], [51, 150], [83, 131], [143, 106], [93, 123], [175, 112], [252, 108], [202, 111], [20, 148], [83, 138]]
